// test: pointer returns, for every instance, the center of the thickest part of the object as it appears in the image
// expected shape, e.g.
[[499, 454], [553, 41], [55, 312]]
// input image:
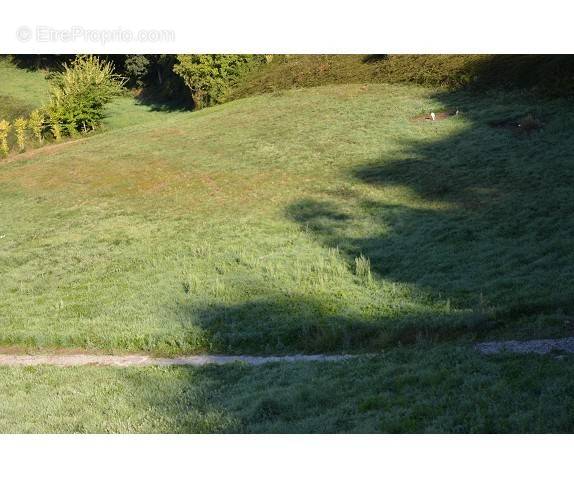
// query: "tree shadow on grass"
[[298, 323], [159, 102], [482, 236], [408, 390], [491, 221], [490, 224]]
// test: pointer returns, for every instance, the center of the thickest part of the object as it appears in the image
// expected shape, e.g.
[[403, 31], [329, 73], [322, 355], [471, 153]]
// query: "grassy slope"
[[219, 230], [444, 389], [236, 228], [298, 71], [20, 91]]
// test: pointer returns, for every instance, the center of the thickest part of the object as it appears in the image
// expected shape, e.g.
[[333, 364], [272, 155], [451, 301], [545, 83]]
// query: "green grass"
[[237, 228], [317, 219], [442, 389], [21, 91]]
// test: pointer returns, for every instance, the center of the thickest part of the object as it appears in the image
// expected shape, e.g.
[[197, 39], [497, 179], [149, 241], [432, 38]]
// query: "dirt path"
[[539, 346], [15, 358], [140, 360]]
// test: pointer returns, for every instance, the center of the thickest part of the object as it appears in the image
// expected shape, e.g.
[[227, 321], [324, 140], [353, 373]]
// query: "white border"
[[286, 461], [301, 26]]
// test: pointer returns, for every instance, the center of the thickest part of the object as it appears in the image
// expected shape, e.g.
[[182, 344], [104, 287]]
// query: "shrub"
[[55, 128], [36, 124], [4, 130], [20, 126], [79, 93], [544, 74], [209, 76]]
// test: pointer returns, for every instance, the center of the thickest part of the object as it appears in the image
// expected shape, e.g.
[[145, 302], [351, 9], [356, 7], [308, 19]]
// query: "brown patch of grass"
[[438, 116]]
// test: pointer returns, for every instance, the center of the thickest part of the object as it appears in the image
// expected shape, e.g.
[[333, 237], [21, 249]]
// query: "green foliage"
[[209, 76], [55, 127], [36, 124], [20, 126], [79, 94], [4, 131], [137, 68]]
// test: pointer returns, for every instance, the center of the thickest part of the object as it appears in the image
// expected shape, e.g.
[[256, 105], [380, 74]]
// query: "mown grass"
[[419, 389], [238, 228]]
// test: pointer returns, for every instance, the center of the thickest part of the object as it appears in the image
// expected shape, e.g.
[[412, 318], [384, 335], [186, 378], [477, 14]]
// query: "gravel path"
[[140, 360], [539, 346]]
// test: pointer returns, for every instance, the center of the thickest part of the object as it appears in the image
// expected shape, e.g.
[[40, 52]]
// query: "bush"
[[20, 126], [55, 128], [79, 93], [551, 75], [36, 124], [209, 76], [4, 130]]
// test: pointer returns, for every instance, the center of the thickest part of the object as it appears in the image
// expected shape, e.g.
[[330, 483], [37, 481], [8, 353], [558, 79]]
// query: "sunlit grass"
[[237, 228]]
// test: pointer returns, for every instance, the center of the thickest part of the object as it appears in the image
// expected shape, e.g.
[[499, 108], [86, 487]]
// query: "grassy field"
[[417, 389], [334, 218], [242, 228]]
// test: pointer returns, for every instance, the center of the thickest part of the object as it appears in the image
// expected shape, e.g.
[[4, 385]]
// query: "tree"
[[208, 76], [137, 68]]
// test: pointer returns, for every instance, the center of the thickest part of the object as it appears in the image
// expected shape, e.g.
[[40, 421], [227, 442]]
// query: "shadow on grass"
[[443, 389], [292, 325], [483, 240], [490, 227], [491, 224], [160, 102]]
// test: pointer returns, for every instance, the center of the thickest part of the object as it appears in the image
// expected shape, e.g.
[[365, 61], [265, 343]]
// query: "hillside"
[[21, 91], [250, 226], [337, 218]]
